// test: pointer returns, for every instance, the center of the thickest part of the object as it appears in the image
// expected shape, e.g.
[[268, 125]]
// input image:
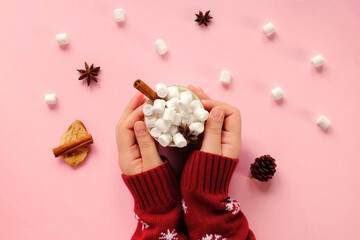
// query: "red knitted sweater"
[[199, 208]]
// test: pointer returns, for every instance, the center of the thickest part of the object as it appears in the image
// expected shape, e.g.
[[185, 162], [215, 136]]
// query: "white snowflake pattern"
[[213, 237], [232, 205], [169, 235], [184, 207], [144, 225]]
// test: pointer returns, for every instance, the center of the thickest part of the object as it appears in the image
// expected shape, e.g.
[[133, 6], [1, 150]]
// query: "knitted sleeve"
[[209, 212], [157, 204]]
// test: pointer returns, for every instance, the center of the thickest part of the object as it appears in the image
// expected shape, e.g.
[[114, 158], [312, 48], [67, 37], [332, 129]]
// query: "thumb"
[[149, 154], [213, 130]]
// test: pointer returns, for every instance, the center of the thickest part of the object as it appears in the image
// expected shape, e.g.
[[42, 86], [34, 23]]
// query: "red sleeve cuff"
[[154, 188], [208, 172]]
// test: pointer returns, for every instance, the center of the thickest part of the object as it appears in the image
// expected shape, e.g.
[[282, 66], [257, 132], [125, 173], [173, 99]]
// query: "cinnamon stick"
[[145, 89], [73, 145]]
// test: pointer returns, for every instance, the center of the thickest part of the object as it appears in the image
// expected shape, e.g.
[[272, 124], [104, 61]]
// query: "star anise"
[[203, 18], [89, 73], [188, 135]]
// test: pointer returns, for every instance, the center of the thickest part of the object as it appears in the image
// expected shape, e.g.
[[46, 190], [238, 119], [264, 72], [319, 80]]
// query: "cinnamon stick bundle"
[[73, 145], [146, 90]]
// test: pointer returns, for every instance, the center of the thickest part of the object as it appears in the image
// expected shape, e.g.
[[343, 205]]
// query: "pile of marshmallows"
[[178, 106]]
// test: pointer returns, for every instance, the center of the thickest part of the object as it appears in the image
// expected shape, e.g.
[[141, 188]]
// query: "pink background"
[[315, 192]]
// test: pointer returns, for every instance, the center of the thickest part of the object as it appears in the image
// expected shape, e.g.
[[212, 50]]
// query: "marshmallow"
[[150, 121], [162, 125], [173, 92], [179, 140], [195, 105], [165, 139], [186, 113], [161, 90], [197, 128], [155, 132], [160, 115], [277, 93], [172, 103], [177, 119], [50, 98], [173, 130], [148, 109], [161, 46], [186, 94], [185, 100], [323, 122], [159, 106], [187, 120], [225, 77], [169, 114], [201, 114], [318, 60], [62, 38], [119, 15], [269, 29]]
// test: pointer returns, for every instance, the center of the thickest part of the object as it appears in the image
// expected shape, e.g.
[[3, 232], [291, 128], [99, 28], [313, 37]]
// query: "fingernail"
[[217, 114], [140, 129]]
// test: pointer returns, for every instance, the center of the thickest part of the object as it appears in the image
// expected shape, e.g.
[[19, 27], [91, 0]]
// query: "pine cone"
[[263, 168]]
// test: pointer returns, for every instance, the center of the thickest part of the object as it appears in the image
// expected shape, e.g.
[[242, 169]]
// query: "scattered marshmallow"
[[119, 15], [62, 39], [277, 93], [318, 60], [169, 114], [155, 132], [179, 140], [165, 139], [50, 98], [150, 121], [161, 46], [159, 106], [201, 114], [225, 77], [269, 29], [173, 92], [195, 105], [173, 130], [162, 125], [172, 103], [185, 100], [323, 122], [148, 109], [161, 90], [177, 119], [197, 128]]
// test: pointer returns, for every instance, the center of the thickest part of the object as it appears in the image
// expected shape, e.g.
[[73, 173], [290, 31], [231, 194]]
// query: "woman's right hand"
[[222, 134]]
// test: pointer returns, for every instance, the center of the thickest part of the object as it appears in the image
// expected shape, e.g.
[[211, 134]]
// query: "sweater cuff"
[[154, 188], [208, 172]]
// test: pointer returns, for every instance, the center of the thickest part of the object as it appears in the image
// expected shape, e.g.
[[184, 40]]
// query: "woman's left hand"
[[136, 147]]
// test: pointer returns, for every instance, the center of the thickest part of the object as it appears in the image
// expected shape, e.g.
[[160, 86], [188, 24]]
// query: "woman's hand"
[[136, 147], [222, 129]]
